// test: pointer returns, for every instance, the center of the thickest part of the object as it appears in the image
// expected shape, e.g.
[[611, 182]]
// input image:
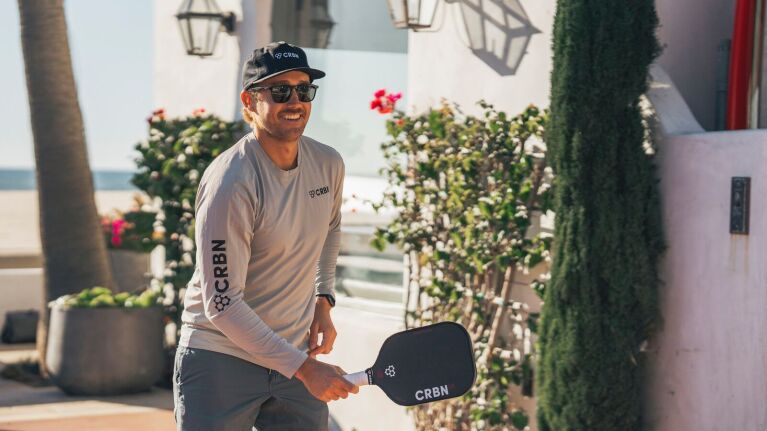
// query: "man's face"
[[282, 121]]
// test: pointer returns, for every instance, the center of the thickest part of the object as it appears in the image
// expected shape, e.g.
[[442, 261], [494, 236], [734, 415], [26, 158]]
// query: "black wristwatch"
[[329, 297]]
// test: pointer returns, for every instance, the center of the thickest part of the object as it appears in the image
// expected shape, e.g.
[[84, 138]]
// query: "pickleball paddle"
[[422, 365]]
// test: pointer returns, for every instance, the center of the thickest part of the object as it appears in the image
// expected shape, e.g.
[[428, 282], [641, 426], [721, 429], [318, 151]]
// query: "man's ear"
[[248, 100]]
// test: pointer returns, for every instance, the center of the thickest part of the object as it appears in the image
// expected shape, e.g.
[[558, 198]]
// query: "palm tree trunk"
[[74, 252]]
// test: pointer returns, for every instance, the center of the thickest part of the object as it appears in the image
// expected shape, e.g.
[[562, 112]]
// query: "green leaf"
[[519, 419], [378, 243], [457, 239]]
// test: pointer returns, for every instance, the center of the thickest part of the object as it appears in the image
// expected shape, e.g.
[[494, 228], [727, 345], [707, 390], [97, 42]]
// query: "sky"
[[111, 46]]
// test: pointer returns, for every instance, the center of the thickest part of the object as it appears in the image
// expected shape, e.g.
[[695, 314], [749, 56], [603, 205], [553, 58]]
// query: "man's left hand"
[[322, 324]]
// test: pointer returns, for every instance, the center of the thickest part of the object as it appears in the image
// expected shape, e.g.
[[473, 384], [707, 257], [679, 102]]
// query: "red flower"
[[384, 103], [198, 112], [157, 115]]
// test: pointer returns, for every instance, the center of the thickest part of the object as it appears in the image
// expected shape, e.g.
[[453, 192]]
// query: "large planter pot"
[[130, 269], [105, 351]]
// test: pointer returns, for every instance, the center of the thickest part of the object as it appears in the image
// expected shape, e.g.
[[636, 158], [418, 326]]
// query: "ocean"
[[24, 179]]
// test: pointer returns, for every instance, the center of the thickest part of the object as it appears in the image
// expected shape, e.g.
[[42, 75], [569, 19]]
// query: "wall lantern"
[[412, 14], [200, 21]]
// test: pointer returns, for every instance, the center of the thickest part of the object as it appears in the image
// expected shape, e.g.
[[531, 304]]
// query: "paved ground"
[[26, 408]]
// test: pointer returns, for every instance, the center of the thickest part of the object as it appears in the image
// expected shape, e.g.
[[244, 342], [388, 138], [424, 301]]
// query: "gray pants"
[[214, 391]]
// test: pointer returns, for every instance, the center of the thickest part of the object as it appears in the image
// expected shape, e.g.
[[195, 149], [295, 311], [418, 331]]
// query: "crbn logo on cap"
[[280, 55]]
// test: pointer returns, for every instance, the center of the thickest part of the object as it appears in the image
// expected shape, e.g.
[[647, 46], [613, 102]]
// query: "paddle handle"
[[359, 379]]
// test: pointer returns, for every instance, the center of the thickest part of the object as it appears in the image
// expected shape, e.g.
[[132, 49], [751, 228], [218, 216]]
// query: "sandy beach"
[[19, 218]]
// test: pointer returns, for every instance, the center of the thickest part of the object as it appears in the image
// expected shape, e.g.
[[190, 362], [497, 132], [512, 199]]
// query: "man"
[[267, 234]]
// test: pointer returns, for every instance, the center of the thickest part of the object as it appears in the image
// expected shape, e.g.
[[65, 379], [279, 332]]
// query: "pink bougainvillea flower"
[[379, 93], [393, 98], [198, 112], [117, 228], [375, 104]]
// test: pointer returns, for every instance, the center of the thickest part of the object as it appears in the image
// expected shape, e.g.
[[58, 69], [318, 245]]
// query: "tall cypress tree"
[[601, 302]]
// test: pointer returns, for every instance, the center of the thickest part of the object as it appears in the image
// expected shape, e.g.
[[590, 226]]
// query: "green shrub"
[[101, 297], [466, 191]]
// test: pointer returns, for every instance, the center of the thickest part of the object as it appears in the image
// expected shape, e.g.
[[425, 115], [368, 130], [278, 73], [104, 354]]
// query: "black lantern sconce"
[[200, 21]]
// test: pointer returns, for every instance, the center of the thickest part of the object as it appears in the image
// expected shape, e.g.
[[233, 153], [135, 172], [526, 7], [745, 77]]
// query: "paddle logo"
[[429, 393], [390, 371]]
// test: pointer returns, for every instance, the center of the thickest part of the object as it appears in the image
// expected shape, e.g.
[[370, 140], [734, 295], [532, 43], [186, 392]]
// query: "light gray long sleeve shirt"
[[267, 243]]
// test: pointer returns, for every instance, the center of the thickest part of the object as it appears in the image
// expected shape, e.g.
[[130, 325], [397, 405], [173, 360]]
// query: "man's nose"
[[293, 95]]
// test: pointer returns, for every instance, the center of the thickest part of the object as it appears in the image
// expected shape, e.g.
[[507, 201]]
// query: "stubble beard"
[[286, 133], [280, 131]]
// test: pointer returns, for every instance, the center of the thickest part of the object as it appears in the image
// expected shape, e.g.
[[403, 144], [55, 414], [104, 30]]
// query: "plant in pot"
[[129, 240], [101, 343]]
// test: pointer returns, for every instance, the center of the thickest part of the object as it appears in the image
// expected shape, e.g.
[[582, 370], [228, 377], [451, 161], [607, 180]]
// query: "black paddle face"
[[425, 364]]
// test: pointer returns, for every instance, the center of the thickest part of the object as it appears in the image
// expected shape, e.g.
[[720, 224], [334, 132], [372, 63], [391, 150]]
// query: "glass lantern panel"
[[398, 13], [426, 14]]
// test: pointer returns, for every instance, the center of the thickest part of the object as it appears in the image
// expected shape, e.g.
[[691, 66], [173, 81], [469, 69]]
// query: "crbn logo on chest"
[[319, 192]]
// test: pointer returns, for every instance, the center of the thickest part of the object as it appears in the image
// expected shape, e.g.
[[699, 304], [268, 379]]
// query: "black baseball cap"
[[273, 59]]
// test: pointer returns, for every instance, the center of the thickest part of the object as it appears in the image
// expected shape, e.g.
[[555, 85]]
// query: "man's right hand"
[[326, 382]]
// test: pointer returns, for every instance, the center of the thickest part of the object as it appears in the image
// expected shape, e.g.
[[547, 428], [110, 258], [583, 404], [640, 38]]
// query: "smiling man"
[[267, 233]]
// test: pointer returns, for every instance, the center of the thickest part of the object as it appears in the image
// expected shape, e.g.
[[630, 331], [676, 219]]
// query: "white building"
[[711, 353]]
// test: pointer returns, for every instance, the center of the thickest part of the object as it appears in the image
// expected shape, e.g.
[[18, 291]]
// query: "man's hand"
[[326, 382], [322, 324]]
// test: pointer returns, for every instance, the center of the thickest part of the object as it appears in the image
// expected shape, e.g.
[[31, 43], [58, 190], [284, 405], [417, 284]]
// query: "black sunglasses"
[[281, 92]]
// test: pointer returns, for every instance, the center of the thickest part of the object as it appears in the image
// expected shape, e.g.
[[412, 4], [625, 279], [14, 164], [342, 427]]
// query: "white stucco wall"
[[673, 114], [710, 357], [441, 64], [708, 361]]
